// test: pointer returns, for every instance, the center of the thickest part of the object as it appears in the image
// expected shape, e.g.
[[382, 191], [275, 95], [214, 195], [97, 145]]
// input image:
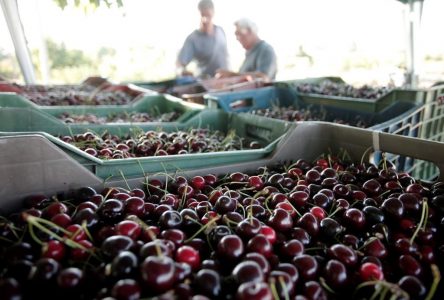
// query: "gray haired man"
[[207, 45], [260, 58]]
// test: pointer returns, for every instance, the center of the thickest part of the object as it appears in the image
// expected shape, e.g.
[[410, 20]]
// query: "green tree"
[[88, 3], [60, 57], [9, 67]]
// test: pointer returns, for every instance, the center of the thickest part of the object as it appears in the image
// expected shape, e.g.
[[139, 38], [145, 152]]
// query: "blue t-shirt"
[[261, 58], [210, 51]]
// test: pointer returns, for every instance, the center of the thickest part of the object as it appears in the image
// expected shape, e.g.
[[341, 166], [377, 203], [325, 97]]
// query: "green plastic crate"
[[266, 132], [155, 104], [424, 122], [166, 85], [283, 96], [416, 96], [136, 93], [48, 170]]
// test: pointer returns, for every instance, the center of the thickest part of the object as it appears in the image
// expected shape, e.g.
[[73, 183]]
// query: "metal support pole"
[[12, 17]]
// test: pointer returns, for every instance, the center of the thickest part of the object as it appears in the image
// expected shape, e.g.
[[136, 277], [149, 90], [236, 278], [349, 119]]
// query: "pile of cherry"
[[158, 143], [75, 95], [292, 114], [328, 230], [330, 88], [133, 117]]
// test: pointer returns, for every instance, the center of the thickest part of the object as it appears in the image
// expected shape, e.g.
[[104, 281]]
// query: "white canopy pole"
[[12, 17], [414, 12]]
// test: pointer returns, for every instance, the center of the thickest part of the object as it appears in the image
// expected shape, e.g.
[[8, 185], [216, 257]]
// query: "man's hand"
[[221, 73], [187, 73]]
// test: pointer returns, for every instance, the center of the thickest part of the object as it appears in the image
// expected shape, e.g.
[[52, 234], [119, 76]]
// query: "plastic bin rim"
[[264, 150]]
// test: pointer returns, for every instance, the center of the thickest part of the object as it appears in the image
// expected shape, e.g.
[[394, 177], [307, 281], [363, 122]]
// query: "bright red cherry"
[[188, 255], [129, 228], [269, 233], [54, 249], [370, 271]]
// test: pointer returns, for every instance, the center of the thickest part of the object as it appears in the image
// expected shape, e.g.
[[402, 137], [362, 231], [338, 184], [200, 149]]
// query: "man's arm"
[[186, 54]]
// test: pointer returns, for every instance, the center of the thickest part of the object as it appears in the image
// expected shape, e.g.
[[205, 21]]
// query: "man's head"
[[206, 9], [246, 33]]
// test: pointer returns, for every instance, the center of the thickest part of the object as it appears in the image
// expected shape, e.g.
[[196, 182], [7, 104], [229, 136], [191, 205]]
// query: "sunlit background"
[[363, 41]]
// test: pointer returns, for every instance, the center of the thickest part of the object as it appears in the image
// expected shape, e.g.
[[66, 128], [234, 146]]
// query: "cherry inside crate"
[[246, 128], [324, 250], [281, 102], [150, 109], [377, 98], [65, 96]]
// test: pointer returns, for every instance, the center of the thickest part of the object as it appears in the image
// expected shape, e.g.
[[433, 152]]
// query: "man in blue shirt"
[[207, 45], [260, 58]]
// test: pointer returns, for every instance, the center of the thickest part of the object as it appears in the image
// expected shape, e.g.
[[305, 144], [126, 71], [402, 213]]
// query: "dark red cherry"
[[413, 286], [70, 278], [354, 218], [113, 245], [260, 244], [282, 282], [376, 248], [230, 247], [372, 187], [208, 282], [309, 223], [292, 248], [248, 228], [158, 273], [126, 289], [307, 266], [335, 274], [254, 290], [330, 228], [248, 271], [290, 270], [343, 254], [313, 290], [393, 208], [409, 265]]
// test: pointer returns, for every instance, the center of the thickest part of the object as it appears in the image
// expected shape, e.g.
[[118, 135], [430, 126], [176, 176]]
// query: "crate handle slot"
[[241, 103]]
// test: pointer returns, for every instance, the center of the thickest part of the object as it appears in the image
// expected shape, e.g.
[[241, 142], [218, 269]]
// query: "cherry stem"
[[382, 285], [34, 221], [266, 204], [329, 160], [369, 241], [365, 153], [147, 229], [33, 235], [273, 289], [294, 208], [384, 293], [422, 221], [378, 291], [326, 286], [85, 228], [210, 222], [141, 167], [124, 179], [282, 283], [108, 193], [314, 248], [436, 279], [338, 209], [384, 161], [184, 196]]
